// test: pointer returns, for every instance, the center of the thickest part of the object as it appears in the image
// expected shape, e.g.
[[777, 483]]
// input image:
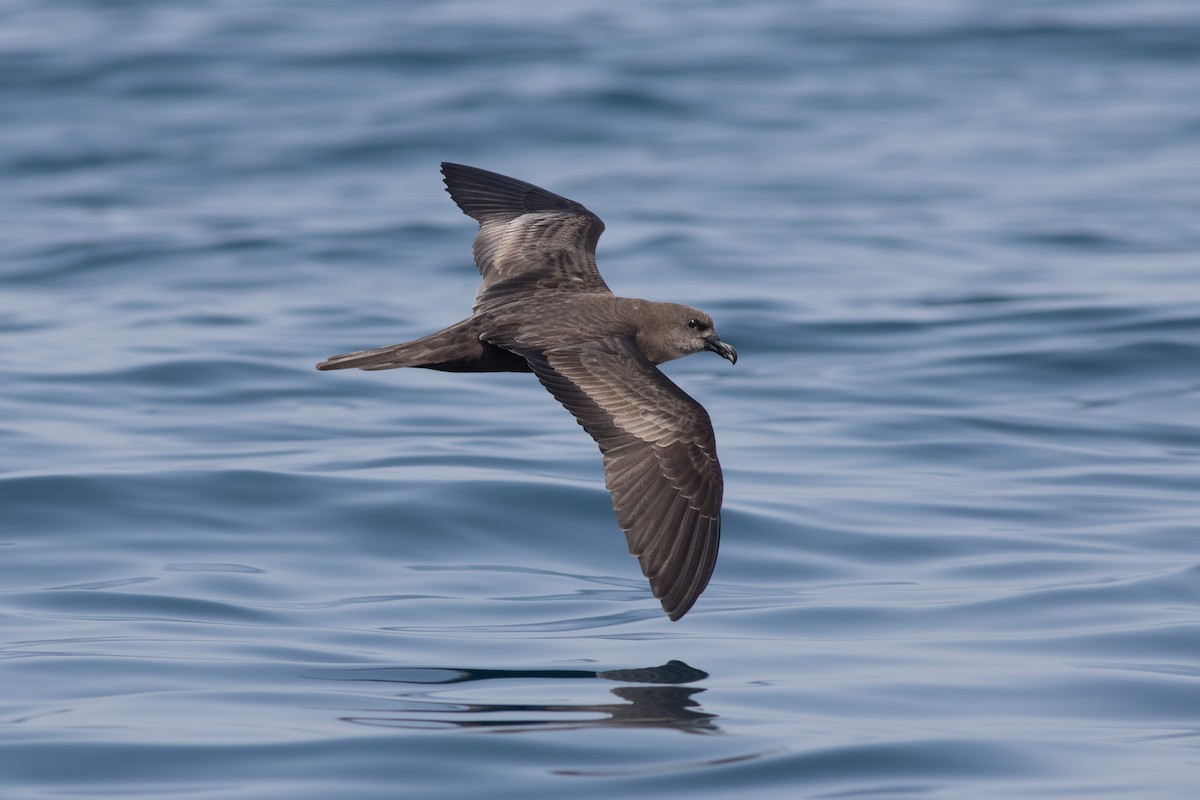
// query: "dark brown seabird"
[[544, 308]]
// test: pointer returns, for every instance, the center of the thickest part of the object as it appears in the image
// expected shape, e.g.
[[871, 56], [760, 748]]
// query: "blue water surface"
[[955, 243]]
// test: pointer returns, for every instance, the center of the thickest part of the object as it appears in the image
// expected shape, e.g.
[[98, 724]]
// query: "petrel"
[[544, 308]]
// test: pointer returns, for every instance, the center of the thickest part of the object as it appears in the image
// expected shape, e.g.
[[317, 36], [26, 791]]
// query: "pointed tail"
[[454, 349]]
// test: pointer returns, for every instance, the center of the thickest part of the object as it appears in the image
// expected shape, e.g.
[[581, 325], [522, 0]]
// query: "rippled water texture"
[[955, 244]]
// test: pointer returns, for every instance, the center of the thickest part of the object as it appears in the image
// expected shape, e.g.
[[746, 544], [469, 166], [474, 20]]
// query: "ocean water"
[[956, 243]]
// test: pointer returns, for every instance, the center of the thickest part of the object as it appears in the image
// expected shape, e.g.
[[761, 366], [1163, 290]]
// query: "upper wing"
[[660, 459], [528, 238]]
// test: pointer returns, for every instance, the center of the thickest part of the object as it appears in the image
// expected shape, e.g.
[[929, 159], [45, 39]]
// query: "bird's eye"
[[696, 324]]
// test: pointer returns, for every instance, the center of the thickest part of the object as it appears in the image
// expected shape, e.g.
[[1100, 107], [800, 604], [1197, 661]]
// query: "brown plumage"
[[543, 307]]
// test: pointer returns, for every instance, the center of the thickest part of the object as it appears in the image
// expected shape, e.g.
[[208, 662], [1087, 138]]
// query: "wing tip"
[[690, 577], [676, 614], [483, 194]]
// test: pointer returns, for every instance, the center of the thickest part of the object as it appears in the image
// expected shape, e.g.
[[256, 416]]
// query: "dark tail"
[[454, 349]]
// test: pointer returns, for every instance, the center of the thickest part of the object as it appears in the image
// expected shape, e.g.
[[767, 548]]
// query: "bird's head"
[[675, 331]]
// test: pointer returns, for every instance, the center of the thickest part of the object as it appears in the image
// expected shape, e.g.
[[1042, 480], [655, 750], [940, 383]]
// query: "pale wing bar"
[[528, 238]]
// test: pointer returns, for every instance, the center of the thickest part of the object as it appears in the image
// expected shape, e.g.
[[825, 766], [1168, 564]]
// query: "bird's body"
[[544, 308]]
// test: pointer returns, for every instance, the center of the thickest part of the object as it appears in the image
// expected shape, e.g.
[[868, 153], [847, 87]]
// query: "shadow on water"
[[665, 703]]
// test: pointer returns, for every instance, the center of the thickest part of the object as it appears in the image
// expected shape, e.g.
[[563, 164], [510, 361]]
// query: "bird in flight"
[[543, 308]]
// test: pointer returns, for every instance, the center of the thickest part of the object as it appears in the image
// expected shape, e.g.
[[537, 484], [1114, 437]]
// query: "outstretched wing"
[[660, 459], [529, 238]]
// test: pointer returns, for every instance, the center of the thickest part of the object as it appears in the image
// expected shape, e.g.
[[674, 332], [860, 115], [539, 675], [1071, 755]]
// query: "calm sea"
[[956, 243]]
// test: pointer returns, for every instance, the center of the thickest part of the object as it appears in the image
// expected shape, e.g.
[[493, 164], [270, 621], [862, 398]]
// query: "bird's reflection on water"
[[663, 703]]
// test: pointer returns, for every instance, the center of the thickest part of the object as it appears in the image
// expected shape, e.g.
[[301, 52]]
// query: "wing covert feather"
[[529, 238]]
